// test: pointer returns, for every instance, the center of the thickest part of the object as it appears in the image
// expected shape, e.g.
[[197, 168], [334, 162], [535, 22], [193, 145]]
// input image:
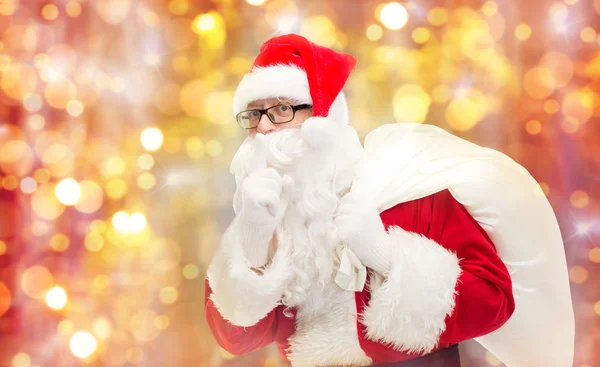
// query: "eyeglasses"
[[279, 114]]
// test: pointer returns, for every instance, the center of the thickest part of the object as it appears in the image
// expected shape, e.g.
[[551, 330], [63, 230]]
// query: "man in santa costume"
[[391, 253]]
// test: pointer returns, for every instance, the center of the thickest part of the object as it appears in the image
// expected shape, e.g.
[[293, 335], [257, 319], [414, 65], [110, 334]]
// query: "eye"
[[284, 108], [254, 113]]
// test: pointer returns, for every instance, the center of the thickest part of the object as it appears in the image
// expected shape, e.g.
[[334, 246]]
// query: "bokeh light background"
[[116, 133]]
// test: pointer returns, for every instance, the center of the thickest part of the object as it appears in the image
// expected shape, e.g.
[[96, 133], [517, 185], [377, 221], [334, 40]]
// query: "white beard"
[[321, 175]]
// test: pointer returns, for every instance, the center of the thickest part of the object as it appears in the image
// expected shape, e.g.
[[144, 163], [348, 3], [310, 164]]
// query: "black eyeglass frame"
[[264, 112]]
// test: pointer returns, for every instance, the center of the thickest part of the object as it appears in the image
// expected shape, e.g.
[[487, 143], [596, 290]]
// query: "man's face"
[[266, 126]]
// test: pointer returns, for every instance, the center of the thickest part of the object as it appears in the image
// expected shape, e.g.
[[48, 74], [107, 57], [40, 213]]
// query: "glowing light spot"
[[28, 185], [178, 7], [438, 16], [21, 360], [551, 106], [32, 102], [94, 242], [393, 15], [68, 191], [145, 161], [203, 23], [421, 35], [5, 299], [65, 328], [82, 344], [190, 271], [539, 82], [533, 127], [73, 9], [194, 147], [10, 183], [146, 181], [92, 197], [168, 295], [489, 8], [523, 32], [579, 199], [59, 242], [152, 138], [583, 228], [101, 281], [137, 222], [74, 108], [2, 248], [411, 103], [256, 2], [116, 188], [120, 220], [578, 274], [595, 255], [374, 32], [142, 326], [588, 34], [102, 328], [49, 12], [213, 148], [36, 281], [597, 308], [56, 298], [134, 355], [36, 122], [161, 322]]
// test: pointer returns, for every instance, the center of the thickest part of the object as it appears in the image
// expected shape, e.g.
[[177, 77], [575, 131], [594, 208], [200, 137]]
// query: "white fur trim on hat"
[[282, 81]]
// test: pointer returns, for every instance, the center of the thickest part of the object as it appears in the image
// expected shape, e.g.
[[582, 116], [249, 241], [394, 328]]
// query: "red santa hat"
[[291, 66]]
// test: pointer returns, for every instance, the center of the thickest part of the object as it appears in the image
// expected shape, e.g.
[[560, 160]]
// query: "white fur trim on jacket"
[[409, 308], [282, 81], [242, 296]]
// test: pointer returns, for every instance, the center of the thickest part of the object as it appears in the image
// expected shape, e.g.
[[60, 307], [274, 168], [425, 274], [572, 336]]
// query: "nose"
[[265, 125]]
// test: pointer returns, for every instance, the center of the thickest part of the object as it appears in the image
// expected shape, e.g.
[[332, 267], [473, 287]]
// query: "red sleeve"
[[234, 339], [484, 299]]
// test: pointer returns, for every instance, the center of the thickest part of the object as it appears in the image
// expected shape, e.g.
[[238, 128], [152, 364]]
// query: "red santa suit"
[[464, 262]]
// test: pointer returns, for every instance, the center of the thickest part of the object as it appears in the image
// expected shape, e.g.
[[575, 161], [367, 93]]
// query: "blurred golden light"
[[113, 12], [161, 322], [178, 7], [191, 93], [411, 103], [32, 102], [146, 181], [190, 271], [560, 65], [597, 308], [94, 242], [74, 108], [120, 220], [256, 2], [66, 328], [168, 295], [571, 2], [45, 203], [39, 228], [203, 22], [49, 12], [116, 188], [56, 298], [41, 175], [151, 19], [551, 106], [374, 32], [91, 198], [82, 344], [594, 256], [214, 105], [539, 82], [588, 35], [145, 161], [421, 35], [2, 248], [533, 127], [58, 93], [213, 148], [489, 8], [68, 191], [5, 299], [464, 113], [21, 360], [152, 138], [569, 127], [137, 222], [172, 144], [578, 274], [438, 16], [135, 355], [36, 281], [142, 326], [577, 107], [320, 30], [194, 147], [10, 183], [16, 158], [7, 8], [579, 199], [523, 32], [98, 226], [117, 84], [28, 185], [102, 328], [59, 242], [166, 99], [36, 122], [113, 166], [73, 9], [393, 15], [101, 281]]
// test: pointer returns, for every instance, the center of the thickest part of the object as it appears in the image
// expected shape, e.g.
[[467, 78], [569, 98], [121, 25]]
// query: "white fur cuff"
[[242, 296], [408, 310]]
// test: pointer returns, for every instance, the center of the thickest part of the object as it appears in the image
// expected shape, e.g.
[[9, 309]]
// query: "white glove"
[[360, 227], [264, 195]]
